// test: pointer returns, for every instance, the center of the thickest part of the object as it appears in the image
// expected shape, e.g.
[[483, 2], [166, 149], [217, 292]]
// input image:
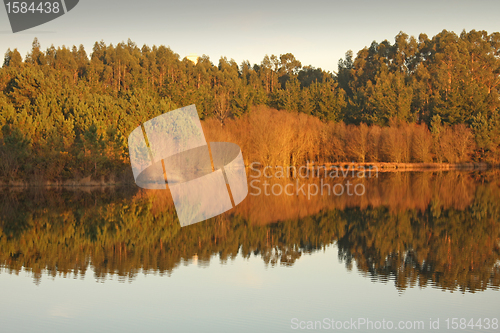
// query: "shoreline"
[[389, 166], [406, 167], [86, 182], [379, 167]]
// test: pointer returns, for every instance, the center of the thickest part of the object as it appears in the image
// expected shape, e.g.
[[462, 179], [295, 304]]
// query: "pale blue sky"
[[317, 32]]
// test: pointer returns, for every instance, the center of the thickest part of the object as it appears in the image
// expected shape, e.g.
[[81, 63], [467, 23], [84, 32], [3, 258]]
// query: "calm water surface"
[[415, 248]]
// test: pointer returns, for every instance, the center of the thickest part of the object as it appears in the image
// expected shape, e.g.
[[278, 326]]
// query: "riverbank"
[[380, 167], [402, 167], [83, 182]]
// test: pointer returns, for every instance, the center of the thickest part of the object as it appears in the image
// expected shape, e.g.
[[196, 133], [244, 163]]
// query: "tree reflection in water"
[[438, 229]]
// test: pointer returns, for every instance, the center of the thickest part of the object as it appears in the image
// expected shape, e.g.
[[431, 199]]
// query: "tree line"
[[66, 114], [272, 137]]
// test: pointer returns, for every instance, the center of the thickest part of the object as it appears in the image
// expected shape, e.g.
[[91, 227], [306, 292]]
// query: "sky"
[[318, 33]]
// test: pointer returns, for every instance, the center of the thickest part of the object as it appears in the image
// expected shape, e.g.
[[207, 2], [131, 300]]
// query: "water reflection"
[[414, 229]]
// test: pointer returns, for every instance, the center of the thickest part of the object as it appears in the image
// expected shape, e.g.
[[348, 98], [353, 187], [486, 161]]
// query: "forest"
[[66, 114]]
